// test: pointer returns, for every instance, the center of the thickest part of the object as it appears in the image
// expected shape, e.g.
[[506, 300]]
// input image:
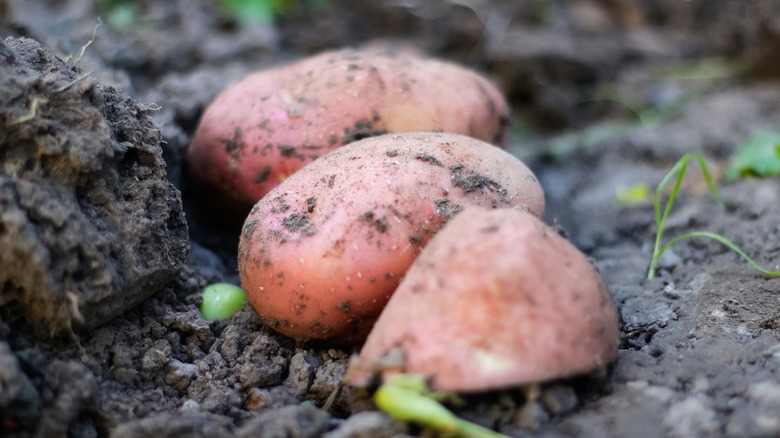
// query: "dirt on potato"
[[604, 96]]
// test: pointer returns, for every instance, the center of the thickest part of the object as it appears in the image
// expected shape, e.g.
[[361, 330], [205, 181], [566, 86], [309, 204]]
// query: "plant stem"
[[724, 241], [677, 170]]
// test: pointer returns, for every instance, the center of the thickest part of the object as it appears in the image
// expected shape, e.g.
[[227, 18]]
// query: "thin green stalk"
[[678, 171], [724, 241]]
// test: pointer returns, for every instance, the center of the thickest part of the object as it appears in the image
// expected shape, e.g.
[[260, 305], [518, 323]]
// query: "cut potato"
[[497, 299]]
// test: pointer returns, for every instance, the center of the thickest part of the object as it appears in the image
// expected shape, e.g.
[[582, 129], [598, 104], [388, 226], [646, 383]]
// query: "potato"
[[497, 299], [321, 254], [259, 131]]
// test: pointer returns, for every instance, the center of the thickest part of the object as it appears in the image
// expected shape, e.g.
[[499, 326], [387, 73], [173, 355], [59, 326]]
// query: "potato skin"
[[262, 129], [497, 299], [321, 254]]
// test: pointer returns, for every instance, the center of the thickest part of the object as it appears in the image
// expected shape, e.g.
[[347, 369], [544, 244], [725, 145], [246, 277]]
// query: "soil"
[[605, 95]]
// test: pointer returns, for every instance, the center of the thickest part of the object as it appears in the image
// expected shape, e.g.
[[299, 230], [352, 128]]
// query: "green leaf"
[[758, 156], [221, 300], [731, 245]]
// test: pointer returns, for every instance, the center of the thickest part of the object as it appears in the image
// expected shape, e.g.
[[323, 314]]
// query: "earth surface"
[[606, 96]]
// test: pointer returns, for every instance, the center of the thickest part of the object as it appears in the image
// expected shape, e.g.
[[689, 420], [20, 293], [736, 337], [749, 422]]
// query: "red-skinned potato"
[[262, 129], [497, 299], [321, 254]]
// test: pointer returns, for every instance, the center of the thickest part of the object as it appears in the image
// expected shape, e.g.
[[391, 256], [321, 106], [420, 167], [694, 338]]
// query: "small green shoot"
[[725, 242], [406, 397], [221, 300], [758, 156], [678, 172]]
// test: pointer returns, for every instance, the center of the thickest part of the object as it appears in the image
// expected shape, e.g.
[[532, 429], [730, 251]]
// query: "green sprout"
[[759, 155], [406, 397], [678, 172], [221, 300]]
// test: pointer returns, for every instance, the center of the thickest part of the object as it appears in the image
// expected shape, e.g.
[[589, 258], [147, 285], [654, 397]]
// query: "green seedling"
[[221, 300], [406, 397], [758, 156], [677, 173]]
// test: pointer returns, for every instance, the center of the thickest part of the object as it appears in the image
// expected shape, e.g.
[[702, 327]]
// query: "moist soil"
[[605, 96]]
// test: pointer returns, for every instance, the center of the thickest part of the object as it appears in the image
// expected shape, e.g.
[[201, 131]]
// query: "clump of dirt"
[[376, 222], [89, 225], [299, 223], [362, 129]]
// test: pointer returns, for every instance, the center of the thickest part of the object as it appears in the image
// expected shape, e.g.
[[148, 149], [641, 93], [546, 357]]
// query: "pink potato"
[[260, 130], [497, 299], [321, 254]]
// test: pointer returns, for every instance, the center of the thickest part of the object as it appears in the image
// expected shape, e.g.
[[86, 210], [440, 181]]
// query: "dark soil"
[[90, 225], [91, 216]]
